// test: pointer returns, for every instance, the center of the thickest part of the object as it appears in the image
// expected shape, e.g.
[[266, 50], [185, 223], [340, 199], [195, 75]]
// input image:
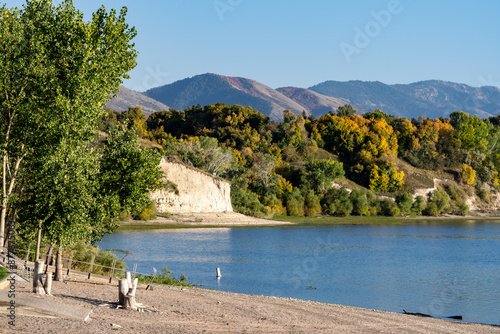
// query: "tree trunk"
[[48, 258], [38, 241], [6, 192], [59, 265], [37, 278]]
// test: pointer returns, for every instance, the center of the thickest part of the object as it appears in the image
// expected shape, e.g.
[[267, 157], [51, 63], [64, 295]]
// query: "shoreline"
[[196, 310], [235, 220]]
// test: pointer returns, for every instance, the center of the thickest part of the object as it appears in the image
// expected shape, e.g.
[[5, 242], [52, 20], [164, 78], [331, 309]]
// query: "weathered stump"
[[122, 290], [126, 292], [48, 283], [59, 265], [37, 278]]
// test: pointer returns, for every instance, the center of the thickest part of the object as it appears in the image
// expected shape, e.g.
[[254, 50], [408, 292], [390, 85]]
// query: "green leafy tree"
[[345, 111], [321, 173], [359, 202], [61, 72], [128, 173], [404, 202]]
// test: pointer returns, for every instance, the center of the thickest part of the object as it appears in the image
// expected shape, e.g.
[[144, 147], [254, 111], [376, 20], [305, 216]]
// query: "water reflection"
[[439, 269]]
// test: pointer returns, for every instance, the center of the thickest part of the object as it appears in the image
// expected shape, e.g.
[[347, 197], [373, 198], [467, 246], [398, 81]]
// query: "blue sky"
[[302, 43]]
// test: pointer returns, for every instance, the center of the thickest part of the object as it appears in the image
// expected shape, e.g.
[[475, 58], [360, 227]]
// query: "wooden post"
[[48, 283], [27, 254], [112, 271], [37, 278], [59, 265], [70, 262], [48, 258], [91, 265], [122, 290]]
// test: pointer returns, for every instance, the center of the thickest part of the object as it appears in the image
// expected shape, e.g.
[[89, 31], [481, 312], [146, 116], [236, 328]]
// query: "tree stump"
[[59, 265], [122, 290], [126, 292], [37, 278], [48, 283]]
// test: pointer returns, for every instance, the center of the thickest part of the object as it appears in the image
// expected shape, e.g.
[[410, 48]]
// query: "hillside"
[[427, 98], [208, 89], [128, 98], [430, 99], [315, 103]]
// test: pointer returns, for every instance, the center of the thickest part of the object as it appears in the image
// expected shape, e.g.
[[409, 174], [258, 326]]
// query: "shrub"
[[164, 278], [418, 206], [295, 203], [404, 202], [312, 205], [389, 208], [148, 212], [359, 202]]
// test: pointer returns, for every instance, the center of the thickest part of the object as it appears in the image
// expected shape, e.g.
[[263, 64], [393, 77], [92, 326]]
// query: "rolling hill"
[[128, 98], [431, 98], [315, 103], [210, 88]]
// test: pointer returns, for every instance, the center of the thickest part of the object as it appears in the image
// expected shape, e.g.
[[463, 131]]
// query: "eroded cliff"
[[197, 191]]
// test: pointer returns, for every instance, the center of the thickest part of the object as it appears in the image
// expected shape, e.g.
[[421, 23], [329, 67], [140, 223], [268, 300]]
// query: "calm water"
[[438, 269]]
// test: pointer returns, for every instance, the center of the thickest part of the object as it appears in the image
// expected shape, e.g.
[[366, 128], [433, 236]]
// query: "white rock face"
[[198, 191]]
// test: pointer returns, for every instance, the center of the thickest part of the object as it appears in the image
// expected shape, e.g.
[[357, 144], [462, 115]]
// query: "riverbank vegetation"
[[340, 164]]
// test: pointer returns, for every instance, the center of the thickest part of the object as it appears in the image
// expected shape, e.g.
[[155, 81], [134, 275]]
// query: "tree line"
[[289, 167]]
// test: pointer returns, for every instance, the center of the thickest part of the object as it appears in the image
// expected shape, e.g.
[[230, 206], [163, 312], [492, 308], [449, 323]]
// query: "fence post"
[[112, 272], [91, 264], [70, 262], [134, 270]]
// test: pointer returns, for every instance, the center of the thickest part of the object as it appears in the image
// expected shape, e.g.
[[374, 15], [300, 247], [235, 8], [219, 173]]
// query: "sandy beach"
[[196, 310]]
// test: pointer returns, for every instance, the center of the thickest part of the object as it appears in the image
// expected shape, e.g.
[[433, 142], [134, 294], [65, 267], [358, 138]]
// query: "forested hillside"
[[290, 167]]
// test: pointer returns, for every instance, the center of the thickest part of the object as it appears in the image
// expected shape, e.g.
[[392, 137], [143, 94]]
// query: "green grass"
[[3, 273], [374, 220]]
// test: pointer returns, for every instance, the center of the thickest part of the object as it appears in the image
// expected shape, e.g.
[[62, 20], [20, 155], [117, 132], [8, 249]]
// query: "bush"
[[359, 203], [295, 203], [312, 205], [164, 278], [418, 206], [101, 260], [337, 202], [246, 202], [389, 208], [148, 212], [404, 202]]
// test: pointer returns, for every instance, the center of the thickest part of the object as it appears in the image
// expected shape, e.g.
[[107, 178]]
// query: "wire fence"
[[90, 264]]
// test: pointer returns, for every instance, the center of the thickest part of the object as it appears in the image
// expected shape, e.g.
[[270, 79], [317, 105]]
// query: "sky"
[[303, 43]]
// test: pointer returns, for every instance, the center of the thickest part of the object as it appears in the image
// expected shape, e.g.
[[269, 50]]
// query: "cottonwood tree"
[[56, 72]]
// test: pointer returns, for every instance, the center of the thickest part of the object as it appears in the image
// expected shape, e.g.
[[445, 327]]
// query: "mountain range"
[[432, 98]]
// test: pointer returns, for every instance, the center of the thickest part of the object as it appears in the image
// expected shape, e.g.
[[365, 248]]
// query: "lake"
[[441, 269]]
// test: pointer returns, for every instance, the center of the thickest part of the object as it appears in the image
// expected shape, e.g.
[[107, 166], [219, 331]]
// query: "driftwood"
[[456, 317]]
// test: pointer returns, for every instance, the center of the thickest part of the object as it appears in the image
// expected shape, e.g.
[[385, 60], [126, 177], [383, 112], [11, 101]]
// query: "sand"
[[197, 310]]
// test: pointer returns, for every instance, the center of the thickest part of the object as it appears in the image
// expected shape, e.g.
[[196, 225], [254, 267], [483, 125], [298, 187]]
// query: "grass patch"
[[3, 273], [165, 278], [377, 220]]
